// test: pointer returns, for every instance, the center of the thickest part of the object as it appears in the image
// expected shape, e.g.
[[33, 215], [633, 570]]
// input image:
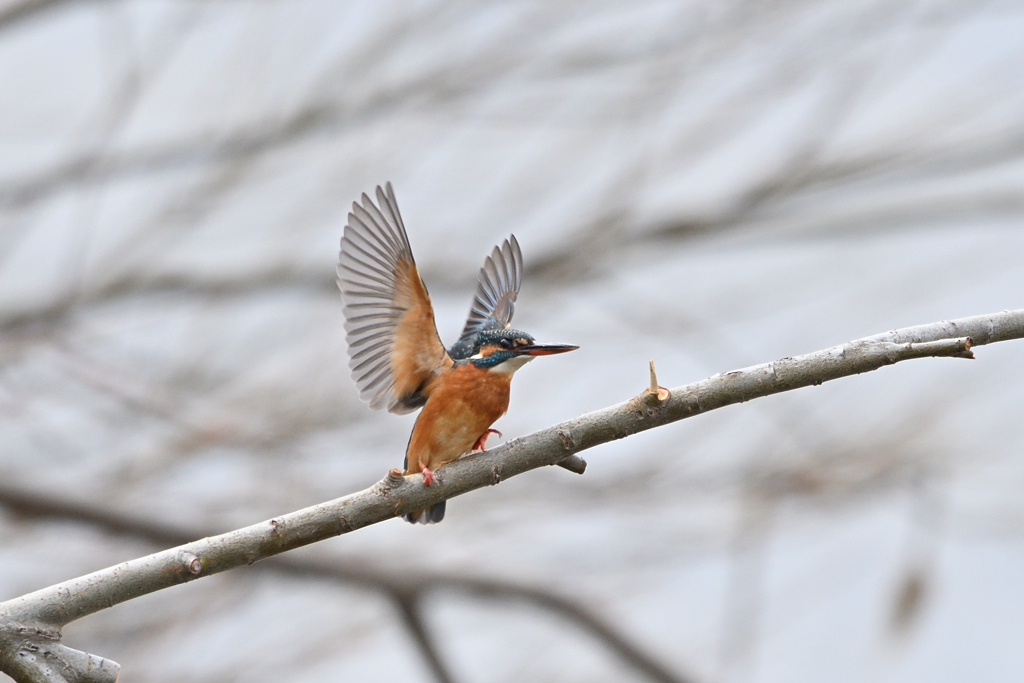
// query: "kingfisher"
[[396, 356]]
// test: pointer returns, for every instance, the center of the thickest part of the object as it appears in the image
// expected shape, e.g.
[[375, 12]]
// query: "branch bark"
[[34, 657], [397, 586], [47, 610]]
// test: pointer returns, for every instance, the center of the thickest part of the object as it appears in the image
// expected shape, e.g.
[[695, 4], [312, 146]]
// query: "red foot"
[[428, 476], [481, 443]]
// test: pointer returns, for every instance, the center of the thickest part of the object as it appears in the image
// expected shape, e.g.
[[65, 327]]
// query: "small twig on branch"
[[659, 392], [395, 495]]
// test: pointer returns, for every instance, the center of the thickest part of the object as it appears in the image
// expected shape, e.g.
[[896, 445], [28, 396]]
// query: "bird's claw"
[[481, 443], [428, 476]]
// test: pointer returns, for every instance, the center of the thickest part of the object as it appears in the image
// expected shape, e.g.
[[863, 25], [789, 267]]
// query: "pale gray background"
[[710, 184]]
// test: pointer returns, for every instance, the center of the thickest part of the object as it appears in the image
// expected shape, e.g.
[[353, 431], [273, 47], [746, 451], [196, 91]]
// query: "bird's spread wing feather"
[[393, 346], [496, 291]]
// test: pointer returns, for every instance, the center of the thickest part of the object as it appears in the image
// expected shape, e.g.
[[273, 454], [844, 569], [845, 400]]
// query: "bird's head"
[[507, 350]]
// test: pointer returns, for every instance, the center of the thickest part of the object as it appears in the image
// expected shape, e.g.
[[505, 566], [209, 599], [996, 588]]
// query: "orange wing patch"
[[417, 354], [394, 350]]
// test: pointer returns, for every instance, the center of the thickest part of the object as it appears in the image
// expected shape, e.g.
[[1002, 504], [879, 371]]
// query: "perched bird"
[[396, 356]]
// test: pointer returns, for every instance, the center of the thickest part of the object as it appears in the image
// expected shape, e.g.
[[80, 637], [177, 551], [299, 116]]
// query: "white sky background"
[[709, 184]]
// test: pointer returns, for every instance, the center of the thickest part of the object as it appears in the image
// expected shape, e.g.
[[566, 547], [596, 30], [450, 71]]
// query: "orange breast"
[[465, 401]]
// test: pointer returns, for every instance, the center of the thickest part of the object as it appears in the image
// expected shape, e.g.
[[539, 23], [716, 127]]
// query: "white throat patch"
[[511, 365]]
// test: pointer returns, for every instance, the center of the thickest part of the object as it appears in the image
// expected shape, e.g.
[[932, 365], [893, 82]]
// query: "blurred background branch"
[[407, 593]]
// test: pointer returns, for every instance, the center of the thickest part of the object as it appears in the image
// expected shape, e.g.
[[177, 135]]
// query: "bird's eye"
[[505, 344]]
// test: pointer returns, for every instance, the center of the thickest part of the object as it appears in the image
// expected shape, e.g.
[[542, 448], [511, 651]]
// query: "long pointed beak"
[[544, 349]]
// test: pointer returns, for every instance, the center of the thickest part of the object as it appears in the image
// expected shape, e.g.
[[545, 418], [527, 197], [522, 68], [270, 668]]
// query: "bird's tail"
[[431, 515]]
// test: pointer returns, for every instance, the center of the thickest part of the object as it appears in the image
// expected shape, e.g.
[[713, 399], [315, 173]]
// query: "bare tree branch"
[[409, 608], [45, 611], [400, 589], [579, 616], [43, 660]]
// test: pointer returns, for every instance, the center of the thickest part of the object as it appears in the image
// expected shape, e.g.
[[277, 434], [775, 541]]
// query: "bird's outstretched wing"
[[393, 347], [496, 291]]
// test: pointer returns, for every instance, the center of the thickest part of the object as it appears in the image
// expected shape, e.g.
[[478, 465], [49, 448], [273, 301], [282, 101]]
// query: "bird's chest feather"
[[477, 391], [466, 402]]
